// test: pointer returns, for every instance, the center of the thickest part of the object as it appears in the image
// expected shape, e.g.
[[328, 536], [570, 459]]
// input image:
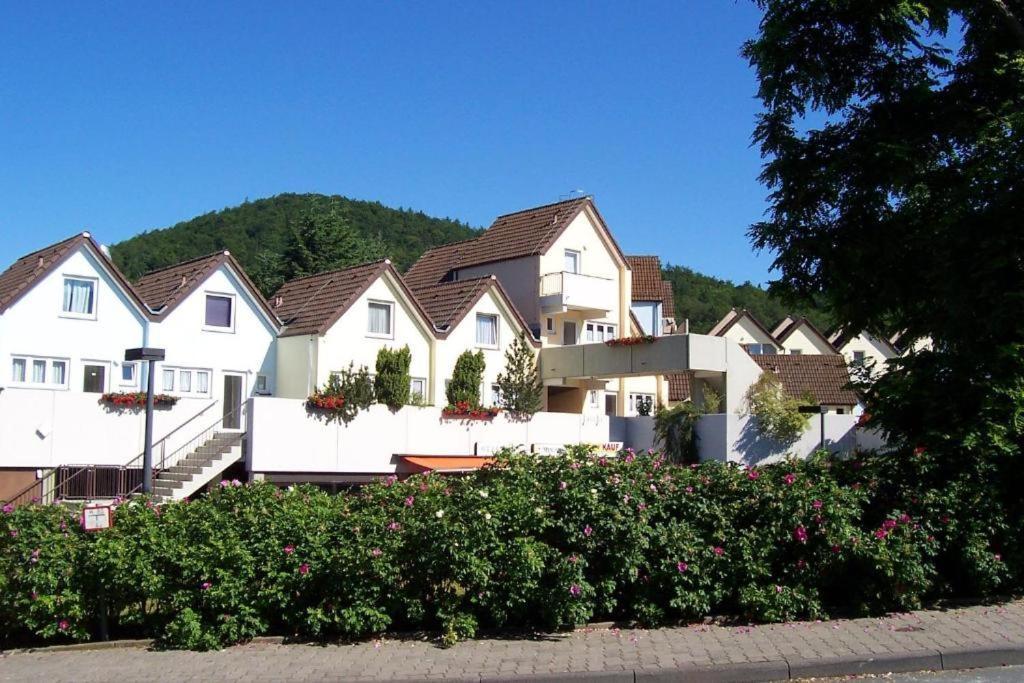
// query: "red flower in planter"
[[632, 341]]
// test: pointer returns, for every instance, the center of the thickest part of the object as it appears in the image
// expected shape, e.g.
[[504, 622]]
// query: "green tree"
[[520, 386], [894, 139], [391, 383], [325, 240], [468, 375]]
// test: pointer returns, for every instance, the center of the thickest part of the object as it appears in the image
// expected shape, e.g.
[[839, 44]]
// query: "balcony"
[[564, 291]]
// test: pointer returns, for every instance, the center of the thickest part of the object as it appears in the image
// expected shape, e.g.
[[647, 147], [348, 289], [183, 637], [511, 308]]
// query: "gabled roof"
[[679, 386], [824, 377], [164, 289], [841, 337], [668, 300], [791, 324], [647, 283], [28, 270], [529, 232], [447, 303], [734, 316], [312, 304]]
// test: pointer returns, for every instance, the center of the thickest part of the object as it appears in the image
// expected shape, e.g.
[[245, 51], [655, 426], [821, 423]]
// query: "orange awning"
[[434, 463]]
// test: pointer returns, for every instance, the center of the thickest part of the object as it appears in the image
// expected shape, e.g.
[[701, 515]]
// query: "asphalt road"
[[1003, 674]]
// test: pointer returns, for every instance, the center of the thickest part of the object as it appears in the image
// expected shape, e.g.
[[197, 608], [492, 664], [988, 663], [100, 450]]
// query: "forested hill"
[[264, 225], [704, 300], [262, 235]]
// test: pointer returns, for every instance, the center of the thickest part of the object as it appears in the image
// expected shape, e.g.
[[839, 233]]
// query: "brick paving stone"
[[605, 653]]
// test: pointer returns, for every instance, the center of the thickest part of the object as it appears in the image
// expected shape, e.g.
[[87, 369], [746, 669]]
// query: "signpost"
[[97, 517], [151, 356]]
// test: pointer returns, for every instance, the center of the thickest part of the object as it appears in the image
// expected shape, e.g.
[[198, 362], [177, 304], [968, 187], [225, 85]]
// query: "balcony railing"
[[575, 291]]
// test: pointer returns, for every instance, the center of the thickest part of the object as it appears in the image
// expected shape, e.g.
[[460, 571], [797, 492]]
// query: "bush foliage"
[[546, 542], [391, 383], [467, 376], [777, 412]]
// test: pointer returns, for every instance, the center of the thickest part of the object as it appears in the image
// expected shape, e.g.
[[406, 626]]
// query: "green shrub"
[[391, 383], [675, 430], [344, 395], [464, 386], [778, 413], [534, 542]]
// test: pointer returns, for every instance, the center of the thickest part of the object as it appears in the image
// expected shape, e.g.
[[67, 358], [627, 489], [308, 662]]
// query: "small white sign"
[[97, 518], [546, 448]]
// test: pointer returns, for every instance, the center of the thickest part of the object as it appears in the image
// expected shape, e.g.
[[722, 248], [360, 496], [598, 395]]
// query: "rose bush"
[[533, 542]]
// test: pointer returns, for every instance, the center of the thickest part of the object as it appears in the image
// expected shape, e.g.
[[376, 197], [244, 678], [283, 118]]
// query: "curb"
[[979, 658]]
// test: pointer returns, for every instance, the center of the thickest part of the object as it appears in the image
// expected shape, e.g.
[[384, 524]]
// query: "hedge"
[[535, 542]]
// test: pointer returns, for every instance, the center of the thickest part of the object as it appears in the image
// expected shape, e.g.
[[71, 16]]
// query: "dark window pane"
[[218, 311], [95, 380]]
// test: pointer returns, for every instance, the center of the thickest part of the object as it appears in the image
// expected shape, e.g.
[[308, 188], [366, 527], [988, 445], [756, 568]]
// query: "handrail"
[[167, 461], [49, 476], [548, 278]]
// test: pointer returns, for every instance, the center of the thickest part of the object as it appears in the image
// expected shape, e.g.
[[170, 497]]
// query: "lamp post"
[[152, 356], [820, 410]]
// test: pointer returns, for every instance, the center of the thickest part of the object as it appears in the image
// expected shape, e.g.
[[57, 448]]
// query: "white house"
[[563, 271], [745, 329], [864, 350], [66, 317], [218, 332], [346, 316], [797, 336]]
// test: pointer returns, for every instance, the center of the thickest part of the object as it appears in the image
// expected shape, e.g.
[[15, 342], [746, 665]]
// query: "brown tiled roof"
[[822, 376], [164, 289], [646, 277], [311, 305], [791, 324], [668, 300], [24, 273], [448, 303], [733, 317], [515, 235], [679, 386]]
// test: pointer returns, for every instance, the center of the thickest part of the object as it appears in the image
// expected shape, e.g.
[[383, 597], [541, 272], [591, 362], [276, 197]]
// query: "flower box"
[[464, 411], [632, 341], [137, 399]]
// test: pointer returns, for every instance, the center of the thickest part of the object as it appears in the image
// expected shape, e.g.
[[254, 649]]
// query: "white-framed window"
[[760, 349], [635, 401], [599, 332], [79, 297], [595, 401], [858, 358], [487, 330], [795, 352], [550, 324], [220, 312], [129, 374], [380, 319], [495, 395], [186, 381], [572, 261], [417, 388], [39, 373], [261, 384], [94, 376]]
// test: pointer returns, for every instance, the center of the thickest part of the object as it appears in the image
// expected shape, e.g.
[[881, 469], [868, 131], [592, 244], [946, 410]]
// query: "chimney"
[[278, 301], [183, 281], [40, 263]]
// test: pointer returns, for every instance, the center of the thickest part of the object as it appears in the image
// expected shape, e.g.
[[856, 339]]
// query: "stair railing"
[[65, 481], [169, 460]]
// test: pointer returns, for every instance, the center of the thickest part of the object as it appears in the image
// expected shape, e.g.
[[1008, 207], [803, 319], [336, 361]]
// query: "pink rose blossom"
[[574, 590], [303, 568], [816, 504], [8, 509], [835, 548], [719, 551], [587, 530], [889, 524], [905, 518], [409, 501], [881, 533], [689, 489], [394, 526], [205, 585], [753, 474], [800, 534], [778, 589], [574, 558], [562, 486], [289, 549], [682, 567], [789, 479], [64, 624], [376, 552]]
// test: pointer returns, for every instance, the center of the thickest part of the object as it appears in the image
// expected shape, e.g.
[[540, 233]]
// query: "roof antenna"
[[572, 194]]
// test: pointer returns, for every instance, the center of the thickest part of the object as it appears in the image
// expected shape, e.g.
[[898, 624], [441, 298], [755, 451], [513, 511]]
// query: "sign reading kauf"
[[97, 517]]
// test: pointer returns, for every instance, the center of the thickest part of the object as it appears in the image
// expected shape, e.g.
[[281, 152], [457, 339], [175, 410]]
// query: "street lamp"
[[814, 410], [152, 356]]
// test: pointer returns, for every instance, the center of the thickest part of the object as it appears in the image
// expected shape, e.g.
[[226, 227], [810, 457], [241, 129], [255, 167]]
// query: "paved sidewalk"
[[946, 639]]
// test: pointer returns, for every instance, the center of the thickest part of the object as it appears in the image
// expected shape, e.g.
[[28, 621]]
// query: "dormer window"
[[220, 312], [572, 261], [79, 297]]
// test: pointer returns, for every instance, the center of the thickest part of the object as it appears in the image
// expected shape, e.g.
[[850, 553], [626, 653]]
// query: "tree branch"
[[1011, 20]]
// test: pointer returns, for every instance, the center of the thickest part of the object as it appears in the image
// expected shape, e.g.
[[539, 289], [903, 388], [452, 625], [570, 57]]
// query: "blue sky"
[[123, 117]]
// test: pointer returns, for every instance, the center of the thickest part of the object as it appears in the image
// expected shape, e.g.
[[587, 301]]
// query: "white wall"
[[732, 438], [286, 438], [248, 350], [463, 338], [876, 352], [746, 332], [804, 339], [35, 326], [44, 429], [347, 340]]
